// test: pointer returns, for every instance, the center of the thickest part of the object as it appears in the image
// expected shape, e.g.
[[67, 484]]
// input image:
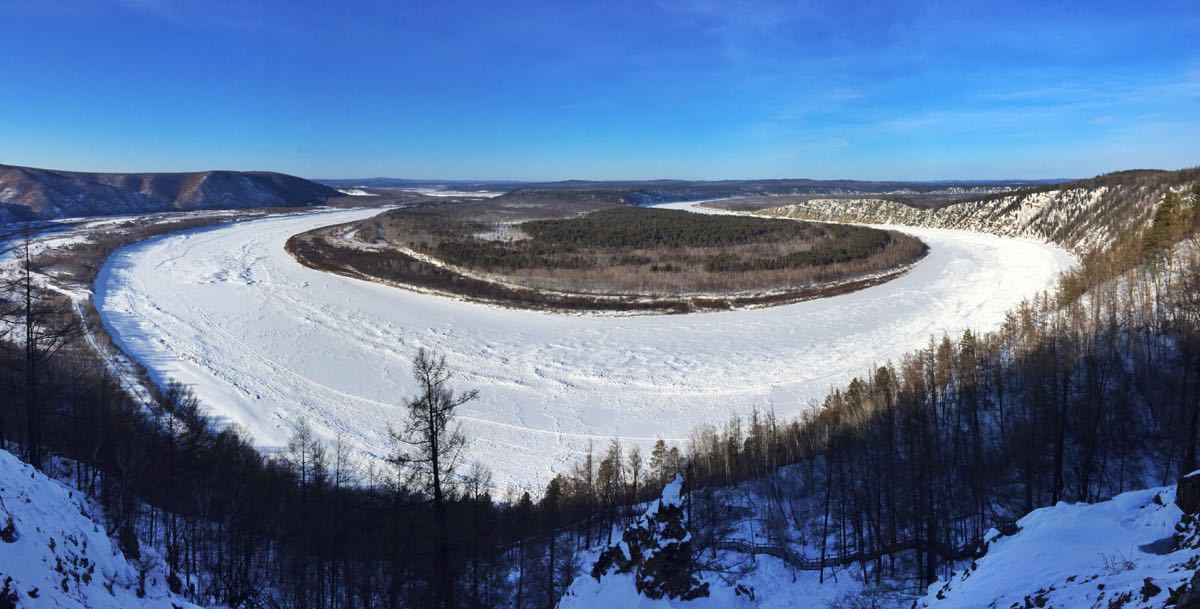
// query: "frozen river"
[[265, 341]]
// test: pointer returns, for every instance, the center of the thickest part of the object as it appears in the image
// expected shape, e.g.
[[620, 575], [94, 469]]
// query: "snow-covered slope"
[[1135, 551], [1078, 219], [54, 553], [1117, 553]]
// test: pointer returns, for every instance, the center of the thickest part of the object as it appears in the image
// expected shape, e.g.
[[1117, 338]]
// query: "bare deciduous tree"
[[45, 325]]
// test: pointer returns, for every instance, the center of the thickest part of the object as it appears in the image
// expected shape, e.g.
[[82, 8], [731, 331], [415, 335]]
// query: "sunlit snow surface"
[[58, 556], [265, 341], [1078, 555]]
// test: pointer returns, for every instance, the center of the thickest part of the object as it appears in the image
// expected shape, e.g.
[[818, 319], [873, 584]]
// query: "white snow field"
[[265, 342]]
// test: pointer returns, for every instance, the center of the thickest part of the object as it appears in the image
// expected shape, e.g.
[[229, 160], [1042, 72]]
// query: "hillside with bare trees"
[[1080, 216]]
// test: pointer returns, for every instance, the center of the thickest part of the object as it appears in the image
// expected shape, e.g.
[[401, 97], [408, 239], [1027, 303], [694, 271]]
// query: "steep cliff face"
[[1079, 216], [41, 194]]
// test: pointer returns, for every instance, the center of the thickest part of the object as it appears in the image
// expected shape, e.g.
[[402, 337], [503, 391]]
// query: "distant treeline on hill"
[[669, 190], [1079, 216], [647, 193]]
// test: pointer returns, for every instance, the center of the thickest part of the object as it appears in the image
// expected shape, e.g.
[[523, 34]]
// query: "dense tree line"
[[855, 246], [605, 238], [584, 242], [637, 227]]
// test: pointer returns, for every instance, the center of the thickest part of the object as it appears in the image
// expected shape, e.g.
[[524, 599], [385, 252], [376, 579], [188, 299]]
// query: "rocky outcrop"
[[1115, 553], [657, 551], [651, 567], [1187, 497]]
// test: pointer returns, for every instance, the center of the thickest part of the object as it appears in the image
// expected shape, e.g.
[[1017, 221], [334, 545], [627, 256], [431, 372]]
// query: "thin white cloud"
[[222, 14]]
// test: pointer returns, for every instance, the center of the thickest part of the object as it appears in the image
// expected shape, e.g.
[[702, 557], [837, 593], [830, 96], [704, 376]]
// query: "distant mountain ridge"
[[583, 195], [28, 193], [650, 192]]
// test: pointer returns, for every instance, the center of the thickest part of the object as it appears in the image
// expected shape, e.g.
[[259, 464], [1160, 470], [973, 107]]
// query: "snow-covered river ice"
[[265, 341]]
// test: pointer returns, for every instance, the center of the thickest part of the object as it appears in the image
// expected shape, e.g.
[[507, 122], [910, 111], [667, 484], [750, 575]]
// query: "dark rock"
[[1187, 494], [1149, 589], [1187, 596], [1160, 547], [8, 595], [657, 549], [9, 533], [127, 541]]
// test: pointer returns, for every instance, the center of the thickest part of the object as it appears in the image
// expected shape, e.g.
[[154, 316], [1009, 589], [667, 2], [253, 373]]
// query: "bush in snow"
[[657, 550]]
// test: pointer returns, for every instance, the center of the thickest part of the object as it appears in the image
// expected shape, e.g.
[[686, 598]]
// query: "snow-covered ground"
[[1131, 551], [1116, 553], [54, 551], [265, 341]]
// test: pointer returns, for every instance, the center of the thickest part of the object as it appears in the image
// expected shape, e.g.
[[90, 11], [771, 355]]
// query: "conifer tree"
[[431, 448], [1165, 227]]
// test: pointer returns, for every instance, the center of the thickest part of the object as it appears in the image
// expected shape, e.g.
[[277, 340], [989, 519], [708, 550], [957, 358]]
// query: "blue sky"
[[699, 89]]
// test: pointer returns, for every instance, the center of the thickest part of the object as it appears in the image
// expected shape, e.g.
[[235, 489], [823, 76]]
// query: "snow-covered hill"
[[27, 193], [54, 551], [1078, 218], [1124, 552]]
